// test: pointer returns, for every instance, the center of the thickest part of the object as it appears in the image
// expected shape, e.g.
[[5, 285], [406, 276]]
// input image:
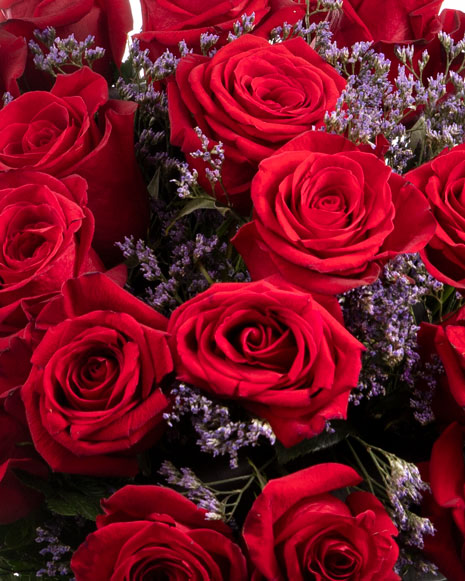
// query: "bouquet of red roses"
[[232, 280]]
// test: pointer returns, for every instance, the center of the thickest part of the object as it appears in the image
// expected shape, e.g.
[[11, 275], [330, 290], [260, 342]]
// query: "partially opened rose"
[[273, 349], [93, 398], [56, 132], [328, 216], [151, 532], [442, 182], [297, 529], [253, 97]]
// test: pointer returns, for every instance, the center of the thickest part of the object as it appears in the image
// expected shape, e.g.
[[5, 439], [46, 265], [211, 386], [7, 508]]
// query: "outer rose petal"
[[446, 505], [13, 52]]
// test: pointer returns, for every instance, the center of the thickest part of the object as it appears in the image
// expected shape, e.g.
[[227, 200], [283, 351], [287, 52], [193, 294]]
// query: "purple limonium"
[[217, 433]]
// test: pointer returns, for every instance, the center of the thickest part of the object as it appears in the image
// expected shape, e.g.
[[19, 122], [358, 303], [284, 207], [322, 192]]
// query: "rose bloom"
[[447, 341], [109, 22], [253, 97], [166, 23], [297, 529], [408, 22], [275, 350], [442, 182], [446, 504], [328, 216], [16, 456], [46, 232], [150, 532], [55, 132], [93, 398], [13, 53]]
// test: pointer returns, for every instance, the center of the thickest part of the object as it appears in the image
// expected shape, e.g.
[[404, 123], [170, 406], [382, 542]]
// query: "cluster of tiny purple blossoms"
[[382, 317]]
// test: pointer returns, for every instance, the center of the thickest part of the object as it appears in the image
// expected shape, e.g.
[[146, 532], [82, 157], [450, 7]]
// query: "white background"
[[136, 13]]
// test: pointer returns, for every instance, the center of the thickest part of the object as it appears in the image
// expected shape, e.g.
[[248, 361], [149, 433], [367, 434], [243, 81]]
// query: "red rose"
[[55, 132], [13, 53], [398, 21], [252, 96], [18, 338], [407, 22], [166, 23], [93, 397], [346, 26], [152, 532], [108, 21], [446, 506], [16, 454], [442, 181], [296, 529], [46, 231], [448, 341], [327, 216], [276, 350]]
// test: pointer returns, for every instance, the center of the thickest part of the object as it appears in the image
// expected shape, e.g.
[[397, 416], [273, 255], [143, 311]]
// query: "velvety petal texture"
[[17, 455], [150, 532], [108, 21], [165, 23], [274, 349], [296, 529], [93, 397], [442, 182], [56, 132], [328, 216], [253, 97], [13, 53], [46, 231], [446, 504]]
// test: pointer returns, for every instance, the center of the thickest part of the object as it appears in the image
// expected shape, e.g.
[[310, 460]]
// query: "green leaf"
[[74, 503], [321, 442], [200, 203], [154, 185], [417, 133], [19, 533]]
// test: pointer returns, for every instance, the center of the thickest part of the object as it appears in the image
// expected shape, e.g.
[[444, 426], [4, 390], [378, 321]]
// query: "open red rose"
[[46, 232], [165, 23], [442, 182], [13, 52], [327, 216], [446, 504], [296, 529], [108, 21], [16, 454], [55, 132], [275, 350], [150, 532], [253, 97], [93, 397]]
